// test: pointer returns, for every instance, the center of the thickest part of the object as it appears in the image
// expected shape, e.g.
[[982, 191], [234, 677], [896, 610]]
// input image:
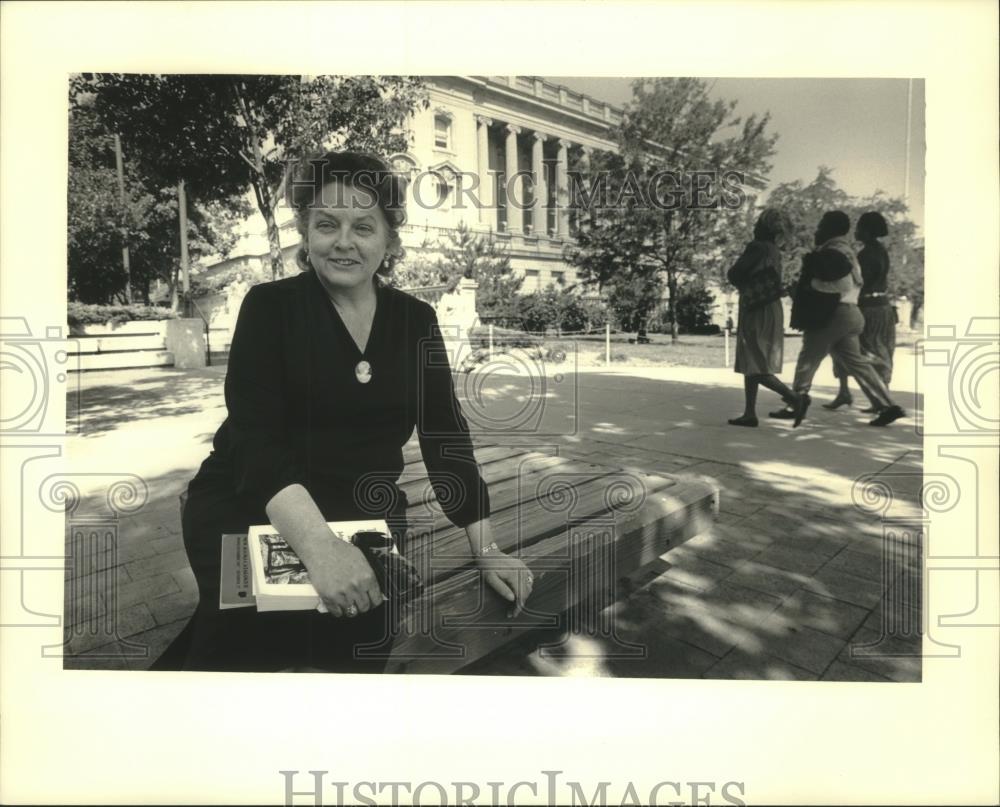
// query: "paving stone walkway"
[[802, 577]]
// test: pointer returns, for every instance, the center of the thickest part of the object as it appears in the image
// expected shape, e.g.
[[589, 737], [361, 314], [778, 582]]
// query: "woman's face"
[[348, 236]]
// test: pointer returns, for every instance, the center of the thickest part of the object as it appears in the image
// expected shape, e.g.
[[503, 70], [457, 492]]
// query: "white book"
[[280, 580]]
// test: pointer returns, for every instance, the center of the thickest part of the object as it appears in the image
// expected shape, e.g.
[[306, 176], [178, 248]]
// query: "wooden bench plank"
[[495, 467], [460, 620], [577, 493]]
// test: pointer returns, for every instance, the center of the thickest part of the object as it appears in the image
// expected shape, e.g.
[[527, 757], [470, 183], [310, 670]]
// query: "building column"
[[539, 215], [562, 190], [590, 213], [515, 216], [487, 207]]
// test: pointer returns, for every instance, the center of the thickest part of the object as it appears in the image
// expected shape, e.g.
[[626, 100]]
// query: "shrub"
[[503, 338], [80, 314], [554, 307], [694, 308]]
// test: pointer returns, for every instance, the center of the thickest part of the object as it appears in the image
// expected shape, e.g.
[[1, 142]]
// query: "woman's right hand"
[[339, 571], [343, 578]]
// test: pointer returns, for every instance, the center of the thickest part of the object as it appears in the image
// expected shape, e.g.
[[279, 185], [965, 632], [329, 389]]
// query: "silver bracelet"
[[491, 547]]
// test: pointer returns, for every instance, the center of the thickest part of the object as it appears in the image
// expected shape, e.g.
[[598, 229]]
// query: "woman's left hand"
[[508, 576]]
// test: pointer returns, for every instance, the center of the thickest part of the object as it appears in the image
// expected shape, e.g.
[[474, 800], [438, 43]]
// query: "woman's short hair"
[[873, 223], [306, 178], [835, 222], [771, 224]]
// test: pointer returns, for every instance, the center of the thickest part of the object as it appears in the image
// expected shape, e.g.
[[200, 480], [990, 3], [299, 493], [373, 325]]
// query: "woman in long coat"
[[760, 333]]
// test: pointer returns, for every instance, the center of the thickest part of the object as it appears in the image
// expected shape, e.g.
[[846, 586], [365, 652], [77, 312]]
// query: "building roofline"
[[504, 87]]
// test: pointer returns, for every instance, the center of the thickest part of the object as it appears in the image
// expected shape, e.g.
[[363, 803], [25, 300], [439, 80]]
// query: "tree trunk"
[[672, 304], [172, 286], [671, 278], [259, 180]]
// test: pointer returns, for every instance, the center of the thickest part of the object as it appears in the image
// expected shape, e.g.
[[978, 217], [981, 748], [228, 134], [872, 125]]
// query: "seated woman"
[[329, 373]]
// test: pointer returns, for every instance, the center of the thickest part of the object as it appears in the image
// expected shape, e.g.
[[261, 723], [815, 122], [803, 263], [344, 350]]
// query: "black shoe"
[[839, 401], [870, 410], [887, 416], [801, 407], [743, 421], [782, 414]]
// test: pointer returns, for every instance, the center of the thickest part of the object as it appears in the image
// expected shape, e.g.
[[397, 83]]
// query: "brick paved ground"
[[791, 583]]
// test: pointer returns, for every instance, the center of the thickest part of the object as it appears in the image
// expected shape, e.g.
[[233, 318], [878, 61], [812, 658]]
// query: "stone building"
[[493, 152]]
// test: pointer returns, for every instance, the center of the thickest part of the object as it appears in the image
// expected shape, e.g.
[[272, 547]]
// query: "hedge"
[[80, 314]]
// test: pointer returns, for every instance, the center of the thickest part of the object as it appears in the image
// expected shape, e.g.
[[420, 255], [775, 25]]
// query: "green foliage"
[[633, 299], [225, 134], [204, 286], [80, 314], [694, 308], [805, 205], [595, 311], [670, 225], [467, 254], [415, 272], [99, 225], [556, 308]]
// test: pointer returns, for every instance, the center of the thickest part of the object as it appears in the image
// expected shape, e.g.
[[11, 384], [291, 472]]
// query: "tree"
[[553, 307], [686, 165], [694, 307], [223, 134], [632, 300], [99, 224], [805, 205], [468, 254]]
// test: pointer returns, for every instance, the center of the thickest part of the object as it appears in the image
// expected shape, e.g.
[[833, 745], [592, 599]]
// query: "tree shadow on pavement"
[[106, 406], [812, 570]]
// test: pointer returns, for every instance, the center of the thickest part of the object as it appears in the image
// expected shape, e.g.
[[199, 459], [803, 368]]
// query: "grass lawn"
[[688, 351]]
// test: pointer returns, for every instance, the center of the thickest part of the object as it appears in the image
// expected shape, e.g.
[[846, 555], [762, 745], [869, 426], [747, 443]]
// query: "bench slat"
[[460, 620], [517, 521]]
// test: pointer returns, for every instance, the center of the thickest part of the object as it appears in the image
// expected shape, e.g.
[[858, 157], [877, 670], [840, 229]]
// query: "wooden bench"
[[581, 528]]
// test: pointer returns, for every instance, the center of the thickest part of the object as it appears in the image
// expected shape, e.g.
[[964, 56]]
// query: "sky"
[[855, 126]]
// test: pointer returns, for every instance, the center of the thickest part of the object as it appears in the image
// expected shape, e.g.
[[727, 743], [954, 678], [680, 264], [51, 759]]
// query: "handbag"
[[812, 309], [761, 288], [396, 576]]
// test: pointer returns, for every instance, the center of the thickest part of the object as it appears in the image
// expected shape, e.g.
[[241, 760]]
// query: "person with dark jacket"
[[825, 309]]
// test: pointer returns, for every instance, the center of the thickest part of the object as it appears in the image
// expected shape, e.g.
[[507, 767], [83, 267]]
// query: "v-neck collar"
[[342, 326]]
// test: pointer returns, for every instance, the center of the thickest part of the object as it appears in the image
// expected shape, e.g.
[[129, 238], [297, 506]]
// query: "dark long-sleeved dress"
[[298, 412]]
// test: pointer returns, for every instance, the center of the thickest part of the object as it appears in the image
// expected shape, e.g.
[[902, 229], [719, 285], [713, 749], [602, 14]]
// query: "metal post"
[[185, 280], [119, 164], [727, 346], [607, 343]]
